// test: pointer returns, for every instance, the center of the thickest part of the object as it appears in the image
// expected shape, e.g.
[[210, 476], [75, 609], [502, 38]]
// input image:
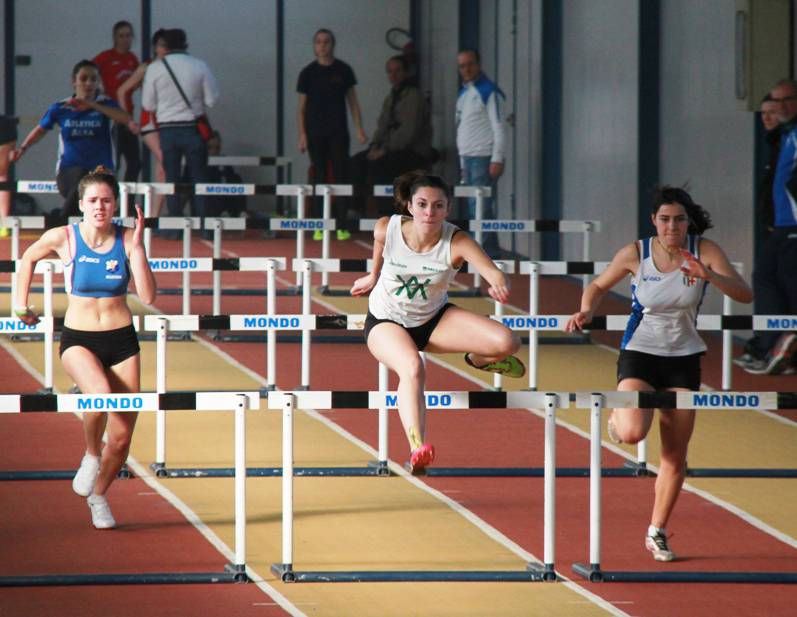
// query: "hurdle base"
[[46, 390], [51, 474], [592, 572], [526, 472], [471, 292], [284, 571], [264, 392], [124, 472], [326, 290], [596, 575], [288, 575], [546, 571], [268, 472], [238, 571], [380, 468], [154, 578], [159, 469], [639, 469]]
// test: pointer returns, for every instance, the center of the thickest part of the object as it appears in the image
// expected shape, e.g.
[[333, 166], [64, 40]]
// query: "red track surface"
[[154, 537]]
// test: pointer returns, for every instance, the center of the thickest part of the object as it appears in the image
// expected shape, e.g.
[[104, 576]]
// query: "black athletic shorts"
[[110, 346], [8, 129], [661, 372], [420, 334]]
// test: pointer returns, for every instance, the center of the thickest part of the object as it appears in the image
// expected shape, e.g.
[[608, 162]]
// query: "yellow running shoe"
[[343, 234], [4, 232], [509, 366], [318, 235]]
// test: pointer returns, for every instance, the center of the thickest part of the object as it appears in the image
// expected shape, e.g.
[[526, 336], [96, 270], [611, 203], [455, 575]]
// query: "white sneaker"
[[86, 476], [656, 543], [101, 515]]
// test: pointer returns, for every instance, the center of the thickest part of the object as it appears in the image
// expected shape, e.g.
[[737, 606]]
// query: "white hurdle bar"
[[239, 402], [596, 402], [328, 191], [289, 402]]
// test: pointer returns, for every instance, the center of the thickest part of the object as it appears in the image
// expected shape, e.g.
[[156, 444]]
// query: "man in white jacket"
[[480, 135], [177, 111]]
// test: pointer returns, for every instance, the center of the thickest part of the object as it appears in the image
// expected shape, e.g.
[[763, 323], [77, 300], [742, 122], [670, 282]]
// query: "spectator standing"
[[480, 135], [325, 86], [775, 271], [403, 138], [177, 118], [84, 120], [8, 139], [116, 65]]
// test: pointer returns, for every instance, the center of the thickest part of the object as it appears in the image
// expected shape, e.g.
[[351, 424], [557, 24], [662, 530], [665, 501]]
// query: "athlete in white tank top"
[[415, 258], [412, 286]]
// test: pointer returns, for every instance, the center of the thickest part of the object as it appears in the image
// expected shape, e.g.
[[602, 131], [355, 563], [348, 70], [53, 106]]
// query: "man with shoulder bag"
[[179, 88]]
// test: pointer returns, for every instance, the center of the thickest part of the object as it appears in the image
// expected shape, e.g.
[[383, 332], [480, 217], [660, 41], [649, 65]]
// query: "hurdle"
[[596, 402], [289, 402], [239, 402], [283, 164]]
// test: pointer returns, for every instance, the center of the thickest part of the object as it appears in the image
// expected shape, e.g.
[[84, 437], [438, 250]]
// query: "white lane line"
[[143, 472]]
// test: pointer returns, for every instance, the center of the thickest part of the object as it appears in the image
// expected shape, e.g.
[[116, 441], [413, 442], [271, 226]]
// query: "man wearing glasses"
[[775, 271]]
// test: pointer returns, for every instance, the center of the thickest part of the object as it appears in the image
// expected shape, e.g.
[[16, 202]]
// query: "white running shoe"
[[86, 476], [656, 543], [101, 515]]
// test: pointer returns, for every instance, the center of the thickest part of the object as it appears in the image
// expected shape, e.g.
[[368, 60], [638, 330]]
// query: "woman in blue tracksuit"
[[84, 120]]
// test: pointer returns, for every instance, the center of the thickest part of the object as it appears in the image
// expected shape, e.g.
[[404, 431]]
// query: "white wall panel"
[[599, 121], [706, 141], [359, 27], [238, 40]]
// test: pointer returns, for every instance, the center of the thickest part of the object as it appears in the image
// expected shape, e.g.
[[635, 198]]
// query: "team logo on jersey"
[[413, 287], [689, 281], [111, 265]]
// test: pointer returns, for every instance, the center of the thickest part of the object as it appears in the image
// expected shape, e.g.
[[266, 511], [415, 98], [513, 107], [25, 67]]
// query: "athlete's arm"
[[302, 130], [366, 283], [130, 84], [51, 241], [465, 248], [715, 268], [356, 114], [146, 288], [35, 135], [625, 262]]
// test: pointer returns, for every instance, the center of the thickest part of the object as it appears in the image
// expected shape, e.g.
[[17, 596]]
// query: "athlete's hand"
[[693, 267], [28, 316], [578, 320], [138, 229], [499, 293], [78, 104], [363, 285]]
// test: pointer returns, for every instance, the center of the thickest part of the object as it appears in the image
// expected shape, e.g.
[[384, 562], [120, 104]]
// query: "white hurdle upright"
[[289, 402], [328, 191], [238, 402], [596, 401]]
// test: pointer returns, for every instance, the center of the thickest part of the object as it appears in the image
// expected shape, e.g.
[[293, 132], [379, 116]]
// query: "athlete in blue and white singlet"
[[661, 349], [664, 306], [99, 348]]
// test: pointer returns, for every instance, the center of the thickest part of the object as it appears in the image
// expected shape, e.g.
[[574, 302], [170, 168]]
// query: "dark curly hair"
[[699, 219], [406, 185]]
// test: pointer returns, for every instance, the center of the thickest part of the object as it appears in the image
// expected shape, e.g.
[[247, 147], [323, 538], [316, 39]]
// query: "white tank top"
[[664, 307], [412, 286]]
